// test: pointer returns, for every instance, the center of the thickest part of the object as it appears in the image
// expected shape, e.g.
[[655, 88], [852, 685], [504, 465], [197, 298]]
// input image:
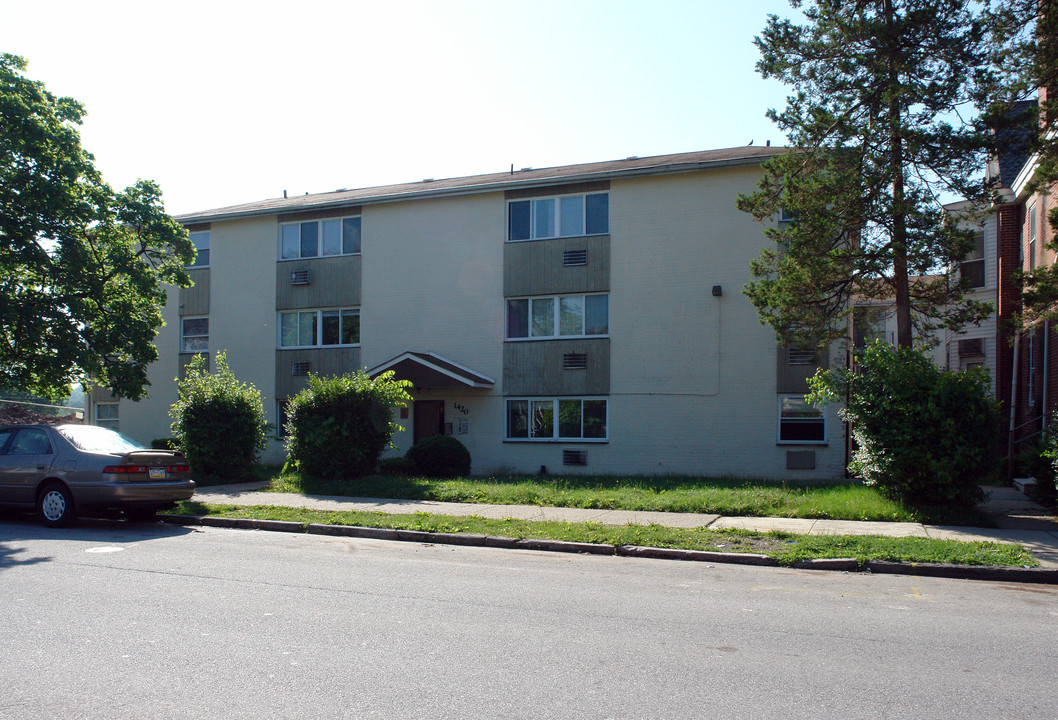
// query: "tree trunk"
[[898, 241]]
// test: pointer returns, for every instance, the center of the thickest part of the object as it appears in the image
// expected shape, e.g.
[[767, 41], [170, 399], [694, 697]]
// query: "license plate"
[[156, 473]]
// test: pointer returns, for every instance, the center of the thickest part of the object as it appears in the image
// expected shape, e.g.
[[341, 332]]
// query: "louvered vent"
[[574, 361], [973, 346], [300, 367], [799, 356], [301, 277], [574, 457], [575, 257]]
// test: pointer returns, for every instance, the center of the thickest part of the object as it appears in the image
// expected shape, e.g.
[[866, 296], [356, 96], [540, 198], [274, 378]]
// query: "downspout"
[[1043, 403], [1013, 406]]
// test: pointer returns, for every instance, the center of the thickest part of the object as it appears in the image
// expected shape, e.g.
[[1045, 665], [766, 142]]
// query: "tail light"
[[179, 468], [124, 469]]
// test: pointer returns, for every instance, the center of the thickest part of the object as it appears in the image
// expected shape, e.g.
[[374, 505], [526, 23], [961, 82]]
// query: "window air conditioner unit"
[[301, 277], [575, 257], [300, 367], [574, 457], [574, 361]]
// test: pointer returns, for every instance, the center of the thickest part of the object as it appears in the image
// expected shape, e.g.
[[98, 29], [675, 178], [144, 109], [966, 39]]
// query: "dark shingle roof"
[[1012, 141], [657, 165]]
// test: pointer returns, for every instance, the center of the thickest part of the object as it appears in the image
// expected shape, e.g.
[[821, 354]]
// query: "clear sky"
[[229, 101]]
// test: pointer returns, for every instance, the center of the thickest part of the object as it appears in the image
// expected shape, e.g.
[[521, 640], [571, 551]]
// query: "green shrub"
[[165, 444], [1045, 469], [397, 466], [925, 436], [218, 421], [440, 456], [337, 427]]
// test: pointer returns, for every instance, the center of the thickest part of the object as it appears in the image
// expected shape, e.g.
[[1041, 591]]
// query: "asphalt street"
[[112, 620]]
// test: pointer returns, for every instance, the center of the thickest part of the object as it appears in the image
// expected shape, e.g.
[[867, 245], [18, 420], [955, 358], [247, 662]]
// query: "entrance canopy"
[[429, 371]]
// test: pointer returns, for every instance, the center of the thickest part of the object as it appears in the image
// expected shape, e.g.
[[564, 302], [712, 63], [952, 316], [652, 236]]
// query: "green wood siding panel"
[[322, 361], [335, 283], [794, 378], [534, 267], [194, 300], [535, 367]]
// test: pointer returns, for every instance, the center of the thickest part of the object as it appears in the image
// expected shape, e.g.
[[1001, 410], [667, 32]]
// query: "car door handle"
[[42, 467]]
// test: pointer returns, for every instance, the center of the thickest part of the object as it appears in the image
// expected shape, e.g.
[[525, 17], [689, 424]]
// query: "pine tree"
[[881, 128]]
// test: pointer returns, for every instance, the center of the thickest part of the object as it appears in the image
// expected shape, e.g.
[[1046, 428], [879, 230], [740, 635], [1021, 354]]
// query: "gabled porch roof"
[[429, 371]]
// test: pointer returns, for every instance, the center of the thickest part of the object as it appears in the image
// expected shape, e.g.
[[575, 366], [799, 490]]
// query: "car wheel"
[[141, 514], [55, 505]]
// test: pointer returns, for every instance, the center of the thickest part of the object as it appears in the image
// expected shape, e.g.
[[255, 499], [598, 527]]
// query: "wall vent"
[[972, 346], [301, 277], [300, 367], [574, 361], [801, 356], [574, 457], [574, 257]]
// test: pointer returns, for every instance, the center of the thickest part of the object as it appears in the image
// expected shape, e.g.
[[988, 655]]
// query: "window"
[[562, 216], [315, 238], [1032, 237], [559, 316], [281, 418], [194, 334], [315, 328], [201, 242], [543, 419], [107, 415], [30, 441], [800, 422], [972, 269]]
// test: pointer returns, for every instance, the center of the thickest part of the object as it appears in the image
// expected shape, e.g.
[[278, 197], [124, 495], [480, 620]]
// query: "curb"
[[881, 567]]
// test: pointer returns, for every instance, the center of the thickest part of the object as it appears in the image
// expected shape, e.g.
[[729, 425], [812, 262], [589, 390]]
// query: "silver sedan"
[[66, 470]]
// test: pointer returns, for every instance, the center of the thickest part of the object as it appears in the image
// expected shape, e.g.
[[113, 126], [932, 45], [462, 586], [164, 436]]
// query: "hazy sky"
[[228, 102]]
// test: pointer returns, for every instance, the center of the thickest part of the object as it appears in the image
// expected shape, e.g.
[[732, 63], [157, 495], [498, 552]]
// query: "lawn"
[[723, 496], [786, 548]]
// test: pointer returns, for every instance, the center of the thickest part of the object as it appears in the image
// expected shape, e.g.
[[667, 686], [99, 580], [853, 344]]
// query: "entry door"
[[429, 418]]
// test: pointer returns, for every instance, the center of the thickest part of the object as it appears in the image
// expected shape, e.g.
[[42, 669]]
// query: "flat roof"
[[529, 177]]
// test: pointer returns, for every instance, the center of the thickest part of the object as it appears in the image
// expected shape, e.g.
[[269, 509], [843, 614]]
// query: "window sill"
[[319, 347], [318, 257], [557, 441], [563, 237], [558, 337], [805, 443]]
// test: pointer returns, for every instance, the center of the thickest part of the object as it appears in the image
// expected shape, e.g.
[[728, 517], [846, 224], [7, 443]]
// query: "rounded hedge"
[[338, 427], [440, 456], [218, 422]]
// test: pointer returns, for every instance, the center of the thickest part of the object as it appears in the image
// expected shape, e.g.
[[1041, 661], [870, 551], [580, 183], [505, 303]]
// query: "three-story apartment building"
[[586, 318]]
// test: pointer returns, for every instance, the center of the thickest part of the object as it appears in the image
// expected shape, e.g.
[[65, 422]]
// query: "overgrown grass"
[[723, 496], [786, 548]]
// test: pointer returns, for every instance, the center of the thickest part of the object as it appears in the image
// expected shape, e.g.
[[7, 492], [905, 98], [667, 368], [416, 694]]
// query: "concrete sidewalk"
[[1039, 539]]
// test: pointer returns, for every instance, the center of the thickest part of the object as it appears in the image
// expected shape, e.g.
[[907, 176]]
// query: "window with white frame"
[[972, 268], [1031, 351], [319, 238], [201, 242], [560, 216], [194, 334], [1032, 237], [558, 316], [319, 328], [107, 415], [557, 419], [800, 422]]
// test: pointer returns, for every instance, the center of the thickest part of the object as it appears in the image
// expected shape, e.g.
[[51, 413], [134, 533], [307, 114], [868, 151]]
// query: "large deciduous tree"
[[880, 129], [82, 267]]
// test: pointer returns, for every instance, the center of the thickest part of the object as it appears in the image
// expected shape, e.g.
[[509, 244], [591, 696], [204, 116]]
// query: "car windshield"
[[90, 438]]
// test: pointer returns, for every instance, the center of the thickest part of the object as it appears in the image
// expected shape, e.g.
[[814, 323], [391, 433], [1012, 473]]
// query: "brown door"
[[429, 418]]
